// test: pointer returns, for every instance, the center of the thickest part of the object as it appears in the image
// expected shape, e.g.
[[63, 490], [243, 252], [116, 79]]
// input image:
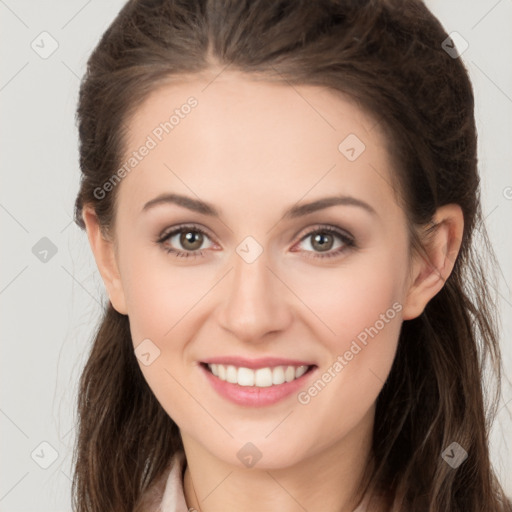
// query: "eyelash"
[[349, 242]]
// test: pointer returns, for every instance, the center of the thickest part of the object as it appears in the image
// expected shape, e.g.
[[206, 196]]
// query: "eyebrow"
[[196, 205]]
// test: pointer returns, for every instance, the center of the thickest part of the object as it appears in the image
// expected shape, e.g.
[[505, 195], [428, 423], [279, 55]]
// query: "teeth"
[[300, 371], [231, 374], [260, 378], [278, 375], [263, 377], [289, 373], [245, 377]]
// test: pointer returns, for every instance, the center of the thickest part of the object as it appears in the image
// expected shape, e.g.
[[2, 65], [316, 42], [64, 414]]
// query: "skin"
[[253, 149]]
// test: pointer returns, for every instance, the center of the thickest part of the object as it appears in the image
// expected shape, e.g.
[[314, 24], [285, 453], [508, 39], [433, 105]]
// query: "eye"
[[190, 238], [187, 241], [322, 241]]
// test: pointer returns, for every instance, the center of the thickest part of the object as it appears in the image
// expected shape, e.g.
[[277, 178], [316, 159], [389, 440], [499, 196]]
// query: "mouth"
[[261, 377], [264, 384]]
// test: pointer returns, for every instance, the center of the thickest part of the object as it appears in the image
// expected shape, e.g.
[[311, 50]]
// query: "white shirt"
[[173, 498]]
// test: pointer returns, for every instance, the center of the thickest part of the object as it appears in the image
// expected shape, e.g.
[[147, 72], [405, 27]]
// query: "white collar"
[[173, 499]]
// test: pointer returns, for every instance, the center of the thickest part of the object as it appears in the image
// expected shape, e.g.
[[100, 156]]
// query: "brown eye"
[[191, 240], [185, 241], [327, 240], [322, 241]]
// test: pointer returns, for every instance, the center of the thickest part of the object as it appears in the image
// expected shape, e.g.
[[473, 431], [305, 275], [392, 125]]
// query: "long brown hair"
[[388, 56]]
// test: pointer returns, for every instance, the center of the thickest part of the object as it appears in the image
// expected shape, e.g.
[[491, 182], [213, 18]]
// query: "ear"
[[432, 268], [104, 254]]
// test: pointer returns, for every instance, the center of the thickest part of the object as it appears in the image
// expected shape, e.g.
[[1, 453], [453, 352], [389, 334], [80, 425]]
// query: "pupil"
[[321, 238]]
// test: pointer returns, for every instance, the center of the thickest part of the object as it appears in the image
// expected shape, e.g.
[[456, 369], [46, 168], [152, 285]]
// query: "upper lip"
[[262, 362]]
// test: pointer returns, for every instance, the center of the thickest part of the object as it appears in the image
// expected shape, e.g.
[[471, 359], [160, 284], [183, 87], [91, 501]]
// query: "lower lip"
[[254, 396]]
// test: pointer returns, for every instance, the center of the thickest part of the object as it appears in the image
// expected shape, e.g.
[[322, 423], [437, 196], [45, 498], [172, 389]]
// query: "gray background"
[[50, 308]]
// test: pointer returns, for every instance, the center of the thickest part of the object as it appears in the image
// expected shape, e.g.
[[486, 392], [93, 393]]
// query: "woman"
[[281, 198]]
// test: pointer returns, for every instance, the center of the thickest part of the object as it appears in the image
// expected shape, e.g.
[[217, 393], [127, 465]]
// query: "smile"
[[267, 383], [260, 378]]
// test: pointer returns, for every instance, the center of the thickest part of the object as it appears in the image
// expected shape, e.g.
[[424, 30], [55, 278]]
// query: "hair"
[[387, 56]]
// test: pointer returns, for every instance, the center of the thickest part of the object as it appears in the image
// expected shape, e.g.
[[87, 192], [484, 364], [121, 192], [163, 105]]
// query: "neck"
[[330, 477]]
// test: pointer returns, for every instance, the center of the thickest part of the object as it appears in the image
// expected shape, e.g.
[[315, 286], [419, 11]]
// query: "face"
[[239, 272]]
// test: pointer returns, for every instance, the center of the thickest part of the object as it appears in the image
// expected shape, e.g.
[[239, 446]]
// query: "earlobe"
[[104, 255], [431, 269]]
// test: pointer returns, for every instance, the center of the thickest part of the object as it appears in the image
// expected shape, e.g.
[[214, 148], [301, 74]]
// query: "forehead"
[[232, 101], [251, 134]]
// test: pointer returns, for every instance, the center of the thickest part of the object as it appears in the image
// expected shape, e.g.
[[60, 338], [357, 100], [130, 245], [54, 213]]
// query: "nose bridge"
[[255, 302]]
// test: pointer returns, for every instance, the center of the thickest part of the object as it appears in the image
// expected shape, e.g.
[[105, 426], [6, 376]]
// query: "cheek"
[[160, 299], [160, 295], [359, 310], [350, 300]]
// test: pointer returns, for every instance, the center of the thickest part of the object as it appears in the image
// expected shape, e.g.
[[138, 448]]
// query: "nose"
[[256, 301]]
